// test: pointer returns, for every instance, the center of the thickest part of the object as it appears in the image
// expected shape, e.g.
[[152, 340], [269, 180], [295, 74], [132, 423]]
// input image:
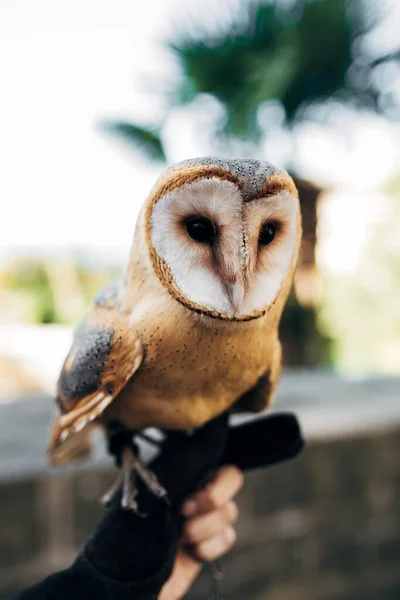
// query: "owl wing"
[[261, 396], [105, 353]]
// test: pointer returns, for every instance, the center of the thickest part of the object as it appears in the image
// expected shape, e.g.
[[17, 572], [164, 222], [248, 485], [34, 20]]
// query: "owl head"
[[223, 235]]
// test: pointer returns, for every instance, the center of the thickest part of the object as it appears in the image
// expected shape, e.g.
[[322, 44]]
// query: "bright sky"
[[64, 66]]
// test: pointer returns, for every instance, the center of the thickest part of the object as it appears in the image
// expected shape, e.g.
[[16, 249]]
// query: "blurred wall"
[[325, 526]]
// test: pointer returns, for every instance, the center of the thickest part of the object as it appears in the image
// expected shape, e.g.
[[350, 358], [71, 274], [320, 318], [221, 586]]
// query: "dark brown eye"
[[201, 230], [267, 234]]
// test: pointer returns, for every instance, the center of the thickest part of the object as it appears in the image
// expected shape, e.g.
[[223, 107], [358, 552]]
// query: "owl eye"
[[201, 230], [267, 234]]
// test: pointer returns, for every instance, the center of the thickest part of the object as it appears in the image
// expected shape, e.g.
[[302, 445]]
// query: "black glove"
[[137, 553], [130, 557]]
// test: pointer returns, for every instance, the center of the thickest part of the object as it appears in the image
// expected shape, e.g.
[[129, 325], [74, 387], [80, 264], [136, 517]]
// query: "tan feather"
[[119, 363], [179, 354]]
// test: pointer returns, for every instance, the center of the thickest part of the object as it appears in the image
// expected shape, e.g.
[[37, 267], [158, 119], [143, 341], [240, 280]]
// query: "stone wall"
[[323, 527]]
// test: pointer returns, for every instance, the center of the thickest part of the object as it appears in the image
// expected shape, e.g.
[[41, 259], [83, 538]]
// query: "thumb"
[[185, 571]]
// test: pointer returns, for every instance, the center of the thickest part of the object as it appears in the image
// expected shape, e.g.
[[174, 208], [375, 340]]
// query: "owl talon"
[[129, 491], [131, 504], [112, 492], [148, 478], [132, 468]]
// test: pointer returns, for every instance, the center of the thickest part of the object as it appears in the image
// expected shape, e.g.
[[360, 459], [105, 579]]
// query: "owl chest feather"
[[193, 369]]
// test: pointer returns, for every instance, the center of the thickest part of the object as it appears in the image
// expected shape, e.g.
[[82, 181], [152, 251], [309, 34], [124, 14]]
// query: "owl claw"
[[129, 491], [111, 493], [132, 468], [147, 476]]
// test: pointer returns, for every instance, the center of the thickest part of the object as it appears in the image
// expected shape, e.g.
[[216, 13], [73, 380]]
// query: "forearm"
[[81, 581], [127, 557], [131, 556]]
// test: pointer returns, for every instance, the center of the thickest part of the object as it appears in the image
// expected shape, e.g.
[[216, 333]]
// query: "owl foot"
[[148, 477], [129, 486], [111, 493], [133, 468], [126, 485]]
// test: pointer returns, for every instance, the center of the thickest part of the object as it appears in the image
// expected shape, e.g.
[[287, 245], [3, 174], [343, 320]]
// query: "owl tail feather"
[[75, 448]]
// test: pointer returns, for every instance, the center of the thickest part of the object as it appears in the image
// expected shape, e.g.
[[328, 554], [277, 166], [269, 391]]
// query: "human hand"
[[208, 531], [141, 555]]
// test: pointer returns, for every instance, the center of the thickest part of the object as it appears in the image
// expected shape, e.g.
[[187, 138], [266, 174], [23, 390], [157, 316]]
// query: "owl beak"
[[236, 295]]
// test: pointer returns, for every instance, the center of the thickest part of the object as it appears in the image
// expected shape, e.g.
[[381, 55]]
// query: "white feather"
[[213, 198], [240, 223], [269, 281]]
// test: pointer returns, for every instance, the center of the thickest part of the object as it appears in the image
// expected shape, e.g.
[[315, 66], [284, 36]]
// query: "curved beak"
[[235, 294]]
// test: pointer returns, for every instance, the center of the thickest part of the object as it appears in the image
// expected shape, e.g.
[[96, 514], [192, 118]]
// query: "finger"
[[215, 547], [210, 524], [222, 488], [185, 571]]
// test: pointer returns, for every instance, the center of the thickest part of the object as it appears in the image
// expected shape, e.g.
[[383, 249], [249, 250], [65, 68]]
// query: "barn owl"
[[192, 330]]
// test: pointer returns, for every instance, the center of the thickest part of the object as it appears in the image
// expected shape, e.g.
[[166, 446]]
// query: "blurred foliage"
[[302, 342], [48, 291], [289, 55], [361, 310], [303, 59], [297, 55], [142, 139], [29, 279]]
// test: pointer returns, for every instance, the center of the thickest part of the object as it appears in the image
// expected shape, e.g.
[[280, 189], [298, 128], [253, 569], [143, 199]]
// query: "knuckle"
[[214, 548], [227, 483], [210, 550], [230, 537], [214, 499], [189, 532], [232, 512], [237, 475], [202, 553], [204, 527]]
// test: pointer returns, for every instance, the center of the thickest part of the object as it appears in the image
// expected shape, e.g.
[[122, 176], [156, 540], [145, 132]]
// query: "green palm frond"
[[298, 54], [295, 56], [145, 140]]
